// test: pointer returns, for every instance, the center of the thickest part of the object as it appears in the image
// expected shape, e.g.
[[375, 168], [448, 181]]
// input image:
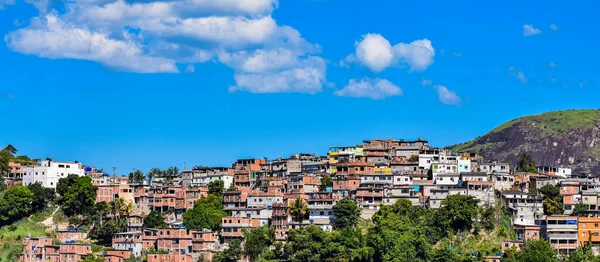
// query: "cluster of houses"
[[258, 192]]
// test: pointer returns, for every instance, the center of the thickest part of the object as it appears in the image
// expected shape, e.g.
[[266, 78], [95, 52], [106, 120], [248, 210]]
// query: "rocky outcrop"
[[552, 140]]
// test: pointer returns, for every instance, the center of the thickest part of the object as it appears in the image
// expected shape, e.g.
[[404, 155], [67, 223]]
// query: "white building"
[[49, 172]]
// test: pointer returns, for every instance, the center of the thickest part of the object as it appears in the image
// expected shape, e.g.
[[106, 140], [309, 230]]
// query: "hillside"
[[568, 138]]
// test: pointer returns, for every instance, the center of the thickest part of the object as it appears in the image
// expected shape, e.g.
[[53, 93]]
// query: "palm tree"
[[116, 207], [153, 173], [298, 209], [10, 148]]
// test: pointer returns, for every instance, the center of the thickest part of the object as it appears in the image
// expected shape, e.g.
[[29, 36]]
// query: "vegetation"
[[553, 204], [580, 210], [346, 212], [526, 163], [298, 209], [326, 181], [11, 237], [155, 220], [137, 176], [79, 197], [231, 254], [257, 240], [41, 196], [207, 213], [217, 188], [532, 251]]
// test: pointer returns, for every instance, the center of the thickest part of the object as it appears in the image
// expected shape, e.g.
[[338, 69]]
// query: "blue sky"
[[138, 84]]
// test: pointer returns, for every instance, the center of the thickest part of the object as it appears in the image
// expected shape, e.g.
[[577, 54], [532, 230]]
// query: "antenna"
[[184, 166], [114, 168]]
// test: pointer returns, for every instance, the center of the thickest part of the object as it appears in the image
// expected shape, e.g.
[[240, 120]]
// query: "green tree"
[[216, 187], [153, 173], [137, 176], [105, 231], [553, 206], [326, 181], [92, 258], [550, 191], [580, 210], [526, 163], [396, 238], [583, 253], [232, 254], [15, 204], [536, 251], [155, 220], [487, 218], [414, 158], [79, 197], [257, 240], [41, 196], [445, 253], [64, 183], [457, 212], [298, 209], [207, 213], [346, 212]]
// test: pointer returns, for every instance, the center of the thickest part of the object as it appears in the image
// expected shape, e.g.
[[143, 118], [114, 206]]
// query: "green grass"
[[11, 238], [42, 215], [556, 122]]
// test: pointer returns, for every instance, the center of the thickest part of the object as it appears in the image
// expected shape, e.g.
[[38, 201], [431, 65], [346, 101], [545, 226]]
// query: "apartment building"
[[49, 172], [41, 249], [562, 233], [202, 176], [320, 206], [589, 231], [130, 241]]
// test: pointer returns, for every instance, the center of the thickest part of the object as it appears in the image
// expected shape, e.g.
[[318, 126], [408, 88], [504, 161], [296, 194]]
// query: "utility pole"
[[184, 166], [114, 169]]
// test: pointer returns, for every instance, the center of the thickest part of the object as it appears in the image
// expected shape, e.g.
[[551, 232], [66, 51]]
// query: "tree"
[[580, 210], [153, 173], [298, 209], [346, 212], [257, 240], [445, 253], [553, 207], [80, 197], [155, 220], [206, 213], [105, 231], [41, 196], [172, 171], [583, 253], [232, 254], [526, 163], [536, 251], [326, 181], [550, 191], [137, 176], [216, 187], [11, 149], [15, 204], [64, 183], [487, 218], [457, 212], [414, 158], [92, 258]]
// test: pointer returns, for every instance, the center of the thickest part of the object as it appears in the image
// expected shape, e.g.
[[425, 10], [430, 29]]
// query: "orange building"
[[589, 228]]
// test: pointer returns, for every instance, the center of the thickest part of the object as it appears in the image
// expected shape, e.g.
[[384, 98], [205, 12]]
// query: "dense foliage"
[[79, 197], [346, 212], [206, 213], [326, 181], [553, 204], [41, 196], [526, 163], [155, 220], [15, 204], [216, 188]]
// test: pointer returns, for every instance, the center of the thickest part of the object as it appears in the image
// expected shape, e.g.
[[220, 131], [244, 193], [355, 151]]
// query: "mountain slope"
[[562, 138]]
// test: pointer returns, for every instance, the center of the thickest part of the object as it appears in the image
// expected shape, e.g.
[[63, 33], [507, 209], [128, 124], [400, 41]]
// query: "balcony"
[[562, 235]]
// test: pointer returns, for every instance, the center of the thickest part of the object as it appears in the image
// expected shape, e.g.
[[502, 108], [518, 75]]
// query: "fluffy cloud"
[[551, 64], [553, 27], [52, 38], [447, 97], [370, 88], [517, 73], [149, 36], [307, 75], [529, 30], [376, 53], [5, 3]]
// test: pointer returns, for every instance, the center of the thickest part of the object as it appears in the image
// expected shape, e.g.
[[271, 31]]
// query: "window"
[[596, 225], [596, 234], [584, 234]]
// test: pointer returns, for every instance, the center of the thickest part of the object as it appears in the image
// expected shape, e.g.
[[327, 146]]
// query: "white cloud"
[[529, 30], [6, 2], [190, 69], [517, 73], [149, 36], [551, 64], [553, 27], [370, 88], [447, 97], [426, 82], [52, 38], [307, 76], [376, 53]]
